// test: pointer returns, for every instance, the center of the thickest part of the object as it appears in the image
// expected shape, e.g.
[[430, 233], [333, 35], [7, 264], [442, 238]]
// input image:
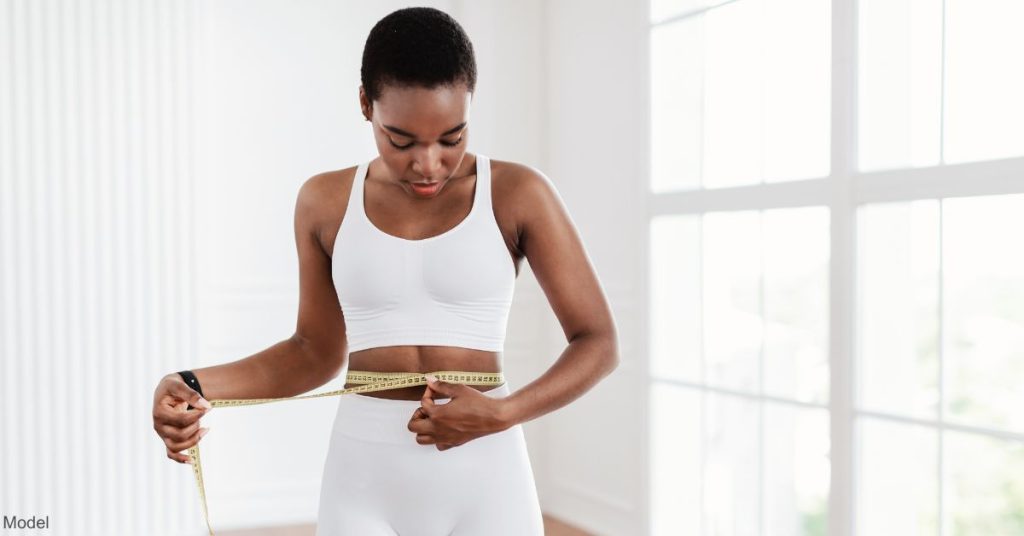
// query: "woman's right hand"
[[176, 425]]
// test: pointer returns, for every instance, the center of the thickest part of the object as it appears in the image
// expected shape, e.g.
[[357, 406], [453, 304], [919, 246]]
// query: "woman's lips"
[[425, 189]]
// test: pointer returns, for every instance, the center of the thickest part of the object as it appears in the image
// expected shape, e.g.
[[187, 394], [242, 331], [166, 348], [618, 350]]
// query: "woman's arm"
[[552, 245], [316, 353], [311, 357]]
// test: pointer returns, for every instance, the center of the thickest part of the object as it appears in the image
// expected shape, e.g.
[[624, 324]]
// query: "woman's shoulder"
[[515, 178], [326, 181], [520, 183], [323, 190], [524, 197], [322, 200]]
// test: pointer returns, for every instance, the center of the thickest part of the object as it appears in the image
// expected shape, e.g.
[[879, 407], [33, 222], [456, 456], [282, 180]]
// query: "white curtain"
[[96, 259]]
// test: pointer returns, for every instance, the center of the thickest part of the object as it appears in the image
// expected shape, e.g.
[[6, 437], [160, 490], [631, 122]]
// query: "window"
[[936, 82], [941, 357], [740, 94], [739, 363], [836, 275]]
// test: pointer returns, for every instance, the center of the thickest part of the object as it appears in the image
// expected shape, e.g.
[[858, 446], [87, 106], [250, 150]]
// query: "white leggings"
[[378, 481]]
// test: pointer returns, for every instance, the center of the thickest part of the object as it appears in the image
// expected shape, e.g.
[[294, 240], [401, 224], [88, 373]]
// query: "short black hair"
[[418, 47]]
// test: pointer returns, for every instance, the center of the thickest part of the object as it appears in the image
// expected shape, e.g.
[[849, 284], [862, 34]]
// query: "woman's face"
[[421, 133]]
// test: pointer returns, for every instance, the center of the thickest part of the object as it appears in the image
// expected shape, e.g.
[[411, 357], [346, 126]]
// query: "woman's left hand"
[[468, 415]]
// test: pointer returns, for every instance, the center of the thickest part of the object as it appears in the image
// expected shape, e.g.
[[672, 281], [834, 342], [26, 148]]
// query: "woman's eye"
[[397, 146], [410, 144]]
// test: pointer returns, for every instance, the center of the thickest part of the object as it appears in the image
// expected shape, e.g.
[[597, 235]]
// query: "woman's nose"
[[428, 164]]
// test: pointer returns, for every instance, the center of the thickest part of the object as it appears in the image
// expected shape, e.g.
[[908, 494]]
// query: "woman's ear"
[[364, 104]]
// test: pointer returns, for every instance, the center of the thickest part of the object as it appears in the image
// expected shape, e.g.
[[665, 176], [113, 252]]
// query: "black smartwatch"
[[191, 381]]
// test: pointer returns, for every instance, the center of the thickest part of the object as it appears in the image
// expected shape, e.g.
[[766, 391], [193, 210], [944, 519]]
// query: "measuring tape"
[[368, 382]]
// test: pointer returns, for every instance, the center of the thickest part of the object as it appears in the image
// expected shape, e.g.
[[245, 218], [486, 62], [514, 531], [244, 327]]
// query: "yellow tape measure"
[[369, 381]]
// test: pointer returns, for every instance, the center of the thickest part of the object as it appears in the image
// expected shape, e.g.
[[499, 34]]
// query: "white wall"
[[595, 453]]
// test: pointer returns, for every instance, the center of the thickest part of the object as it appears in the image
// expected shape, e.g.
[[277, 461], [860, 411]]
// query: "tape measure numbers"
[[368, 382]]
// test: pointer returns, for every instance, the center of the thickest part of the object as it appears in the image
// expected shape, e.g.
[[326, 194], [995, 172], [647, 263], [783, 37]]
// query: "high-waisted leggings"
[[378, 481]]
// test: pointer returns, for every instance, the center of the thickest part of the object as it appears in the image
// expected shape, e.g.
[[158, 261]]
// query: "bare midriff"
[[421, 359]]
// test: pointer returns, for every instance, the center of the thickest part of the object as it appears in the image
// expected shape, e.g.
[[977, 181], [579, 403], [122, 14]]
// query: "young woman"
[[407, 263]]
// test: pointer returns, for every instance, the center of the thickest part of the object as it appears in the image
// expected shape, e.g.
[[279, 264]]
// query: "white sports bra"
[[452, 289]]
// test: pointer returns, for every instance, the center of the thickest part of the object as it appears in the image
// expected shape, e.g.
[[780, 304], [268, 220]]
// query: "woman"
[[408, 263]]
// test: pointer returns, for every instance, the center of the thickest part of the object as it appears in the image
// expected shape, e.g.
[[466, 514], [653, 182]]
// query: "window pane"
[[795, 490], [796, 272], [898, 316], [797, 71], [675, 297], [732, 304], [897, 484], [740, 94], [676, 55], [731, 475], [983, 265], [766, 284], [899, 83], [985, 485], [675, 460], [732, 94], [984, 79]]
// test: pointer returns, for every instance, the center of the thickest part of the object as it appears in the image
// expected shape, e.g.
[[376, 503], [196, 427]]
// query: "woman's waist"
[[420, 360], [408, 394], [386, 420], [396, 384]]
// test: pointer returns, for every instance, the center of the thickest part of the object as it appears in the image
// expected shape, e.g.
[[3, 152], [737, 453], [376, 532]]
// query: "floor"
[[552, 527]]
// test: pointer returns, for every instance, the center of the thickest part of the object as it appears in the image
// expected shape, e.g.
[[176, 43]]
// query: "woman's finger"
[[178, 446], [424, 439], [177, 433], [180, 391], [181, 419], [420, 426], [427, 400], [178, 457]]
